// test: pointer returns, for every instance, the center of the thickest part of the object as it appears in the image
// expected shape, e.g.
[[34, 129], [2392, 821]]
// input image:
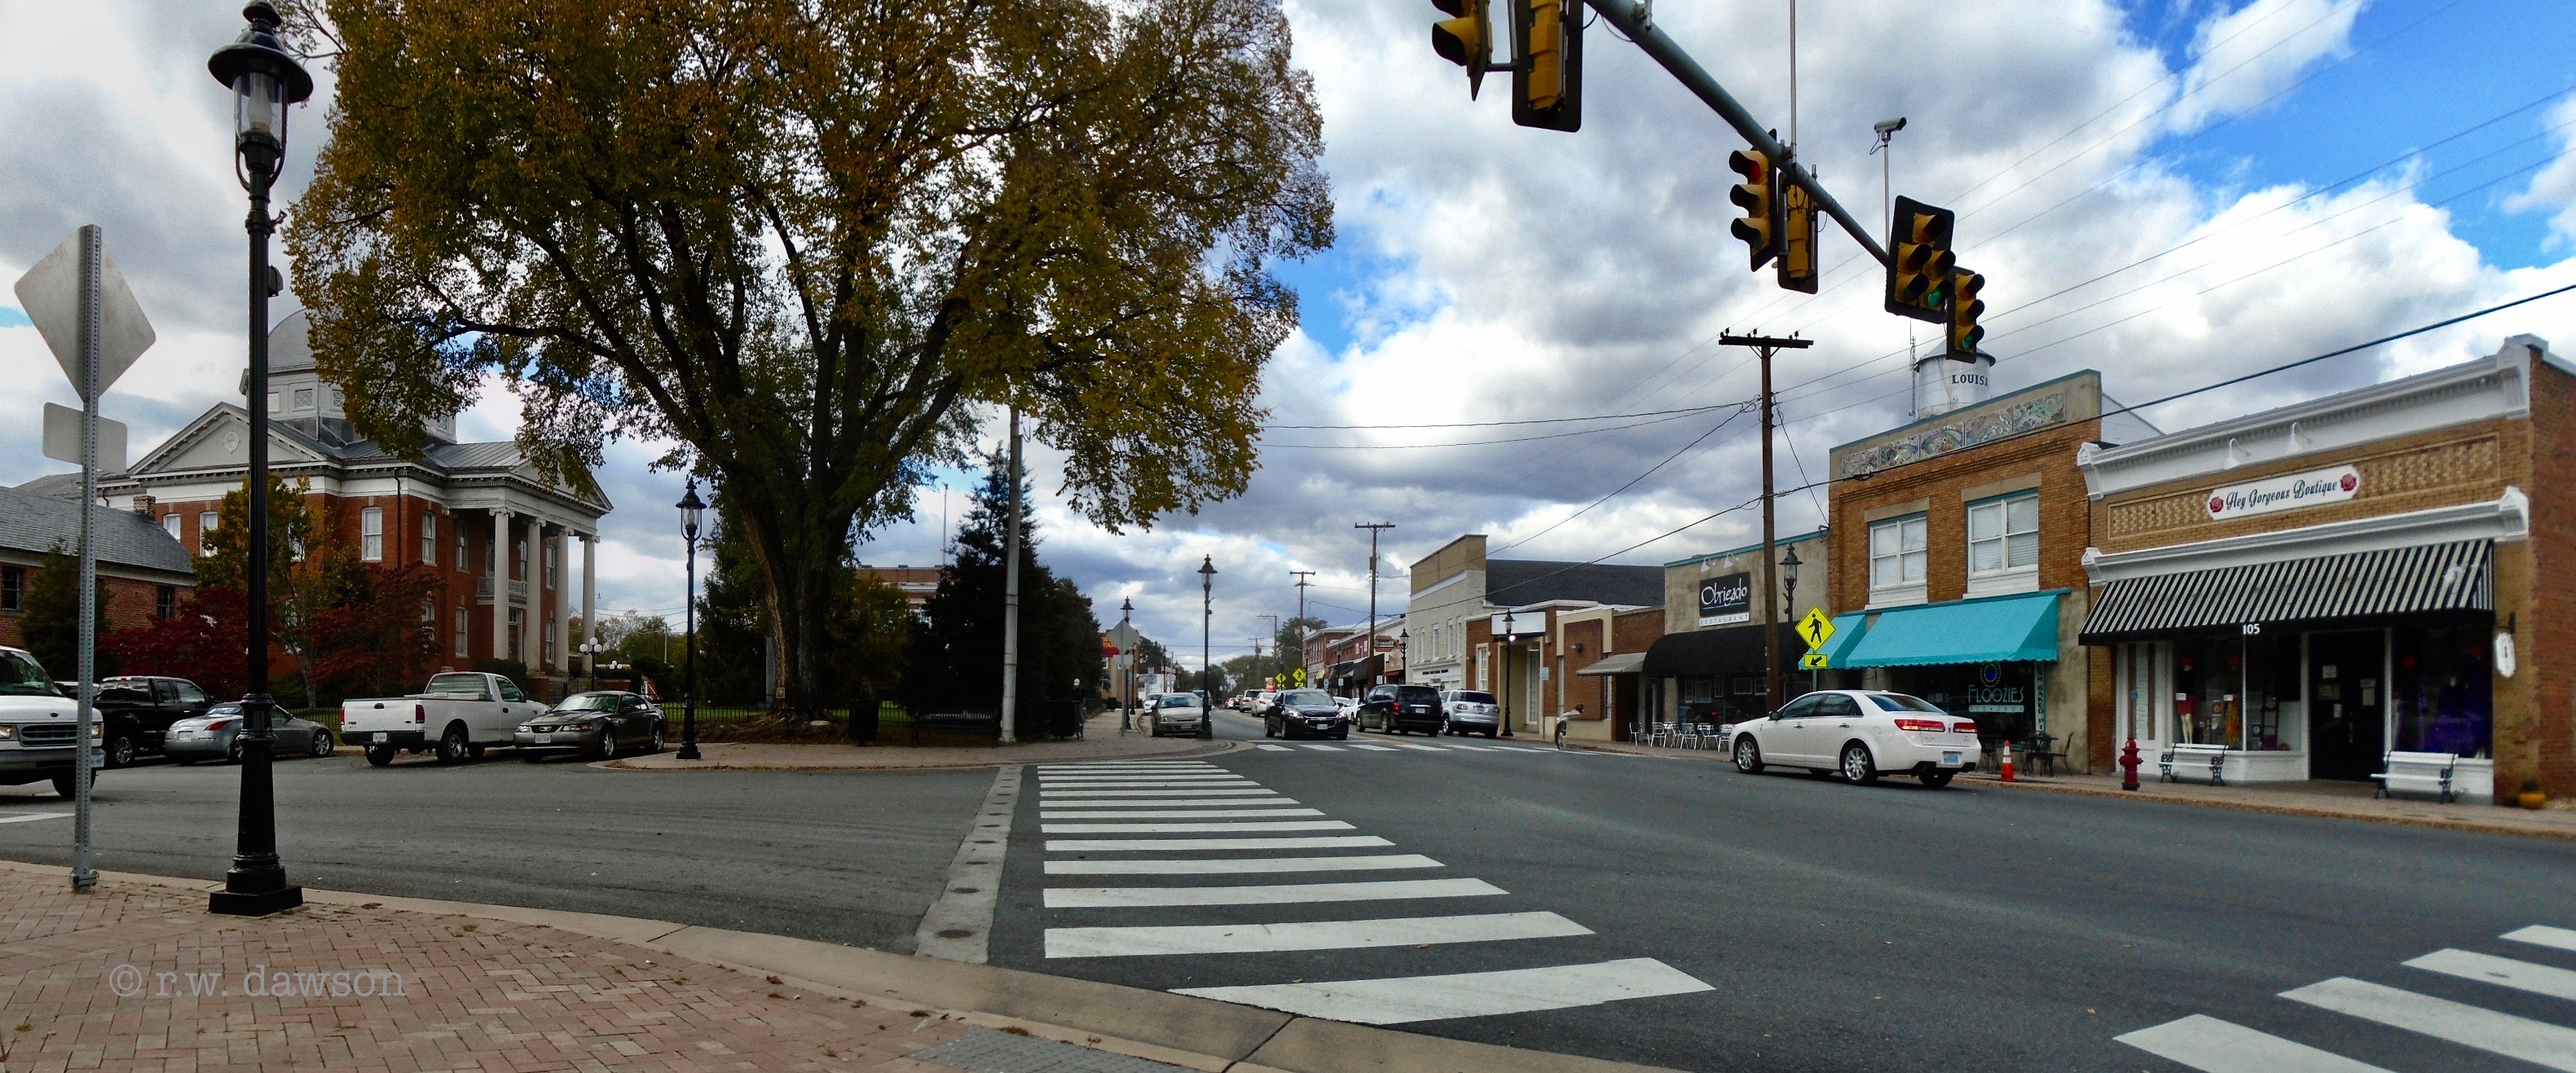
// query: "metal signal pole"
[[1011, 594], [1765, 346]]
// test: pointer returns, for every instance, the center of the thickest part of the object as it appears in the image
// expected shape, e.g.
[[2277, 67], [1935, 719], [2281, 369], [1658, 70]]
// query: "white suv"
[[1858, 734]]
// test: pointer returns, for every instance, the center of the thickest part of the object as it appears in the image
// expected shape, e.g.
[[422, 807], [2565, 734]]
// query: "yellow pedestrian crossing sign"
[[1813, 661], [1298, 676], [1817, 629]]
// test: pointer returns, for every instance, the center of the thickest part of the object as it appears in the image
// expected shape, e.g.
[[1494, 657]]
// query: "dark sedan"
[[1305, 713], [600, 725]]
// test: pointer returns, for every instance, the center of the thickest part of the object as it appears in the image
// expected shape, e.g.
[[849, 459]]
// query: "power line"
[[1686, 411], [1632, 482]]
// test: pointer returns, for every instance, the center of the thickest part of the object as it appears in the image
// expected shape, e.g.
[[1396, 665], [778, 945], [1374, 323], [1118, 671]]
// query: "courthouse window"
[[371, 534]]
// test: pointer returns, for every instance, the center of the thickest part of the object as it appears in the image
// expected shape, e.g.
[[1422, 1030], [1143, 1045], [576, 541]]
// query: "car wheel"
[[1493, 734], [322, 743], [607, 749], [475, 751], [1748, 756], [379, 756], [120, 751], [451, 745], [233, 752], [1938, 779], [531, 756], [67, 785], [657, 739], [1343, 734], [1857, 768], [1267, 730]]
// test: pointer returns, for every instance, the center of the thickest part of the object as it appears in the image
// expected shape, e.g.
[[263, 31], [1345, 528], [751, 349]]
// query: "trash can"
[[863, 717]]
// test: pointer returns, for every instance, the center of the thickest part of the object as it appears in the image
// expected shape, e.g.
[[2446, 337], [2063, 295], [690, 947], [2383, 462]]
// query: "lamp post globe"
[[1789, 565], [265, 80], [692, 511]]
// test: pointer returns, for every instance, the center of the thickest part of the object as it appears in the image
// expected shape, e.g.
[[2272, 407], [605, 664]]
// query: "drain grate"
[[984, 1050]]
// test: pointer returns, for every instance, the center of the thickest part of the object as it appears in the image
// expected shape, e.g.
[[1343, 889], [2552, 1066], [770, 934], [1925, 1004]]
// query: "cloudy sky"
[[2170, 192]]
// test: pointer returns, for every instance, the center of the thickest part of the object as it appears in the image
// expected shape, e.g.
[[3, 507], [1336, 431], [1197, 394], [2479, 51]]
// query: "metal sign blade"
[[50, 295], [63, 439]]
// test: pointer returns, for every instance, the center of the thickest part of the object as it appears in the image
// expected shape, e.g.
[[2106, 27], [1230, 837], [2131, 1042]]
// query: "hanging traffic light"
[[1547, 64], [1466, 39], [1965, 333], [1797, 238], [1919, 261], [1760, 227]]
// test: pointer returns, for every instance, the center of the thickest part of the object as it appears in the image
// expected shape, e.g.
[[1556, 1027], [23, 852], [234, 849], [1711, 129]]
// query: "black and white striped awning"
[[2458, 576]]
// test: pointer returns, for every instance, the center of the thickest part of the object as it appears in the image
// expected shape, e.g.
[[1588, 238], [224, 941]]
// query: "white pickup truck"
[[459, 715]]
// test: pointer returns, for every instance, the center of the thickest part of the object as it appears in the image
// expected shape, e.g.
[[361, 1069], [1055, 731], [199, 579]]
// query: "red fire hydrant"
[[2129, 765]]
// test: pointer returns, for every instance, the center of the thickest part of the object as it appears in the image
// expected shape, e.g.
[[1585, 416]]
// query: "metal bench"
[[2186, 755], [985, 723], [2423, 773]]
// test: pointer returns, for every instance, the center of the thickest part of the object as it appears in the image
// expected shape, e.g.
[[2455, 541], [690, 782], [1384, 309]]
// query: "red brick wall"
[[1578, 689], [1637, 631], [2065, 512], [2549, 629], [130, 604]]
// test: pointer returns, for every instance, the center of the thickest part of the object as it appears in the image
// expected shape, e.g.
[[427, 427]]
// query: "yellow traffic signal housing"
[[1919, 261], [1797, 238], [1547, 64], [1466, 38], [1965, 308], [1760, 227]]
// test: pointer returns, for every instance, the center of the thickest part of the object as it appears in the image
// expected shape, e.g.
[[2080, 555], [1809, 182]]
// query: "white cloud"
[[2241, 58], [2555, 186]]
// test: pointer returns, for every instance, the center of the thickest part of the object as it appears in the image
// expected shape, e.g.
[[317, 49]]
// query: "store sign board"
[[2288, 492], [1725, 599]]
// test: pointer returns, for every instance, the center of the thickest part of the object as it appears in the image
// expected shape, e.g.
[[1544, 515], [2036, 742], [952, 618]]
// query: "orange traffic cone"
[[2008, 772]]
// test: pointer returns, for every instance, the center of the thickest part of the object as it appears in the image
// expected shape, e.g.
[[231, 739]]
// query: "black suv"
[[138, 710], [1400, 709]]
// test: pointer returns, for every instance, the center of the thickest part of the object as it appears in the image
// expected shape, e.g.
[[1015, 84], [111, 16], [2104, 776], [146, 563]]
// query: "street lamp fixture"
[[265, 79], [1207, 614], [1789, 565], [692, 509]]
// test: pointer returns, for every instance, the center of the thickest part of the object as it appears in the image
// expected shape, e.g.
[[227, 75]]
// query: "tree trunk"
[[800, 550]]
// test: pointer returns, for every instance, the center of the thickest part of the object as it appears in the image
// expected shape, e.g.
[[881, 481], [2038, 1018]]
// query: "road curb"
[[2279, 808], [1182, 1030]]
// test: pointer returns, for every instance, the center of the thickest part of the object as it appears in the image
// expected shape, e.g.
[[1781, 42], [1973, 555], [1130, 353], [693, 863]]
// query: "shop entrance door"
[[2346, 733]]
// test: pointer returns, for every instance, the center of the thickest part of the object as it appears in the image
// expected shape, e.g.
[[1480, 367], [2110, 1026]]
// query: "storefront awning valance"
[[2000, 629], [2455, 576], [1848, 630], [1725, 650], [1622, 663]]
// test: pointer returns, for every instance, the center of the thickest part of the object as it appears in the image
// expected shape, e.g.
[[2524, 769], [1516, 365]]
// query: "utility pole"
[[1011, 593], [1281, 653], [1301, 576], [1369, 647], [1765, 346]]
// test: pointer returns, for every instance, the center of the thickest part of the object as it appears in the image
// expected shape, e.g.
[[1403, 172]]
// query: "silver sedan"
[[216, 735]]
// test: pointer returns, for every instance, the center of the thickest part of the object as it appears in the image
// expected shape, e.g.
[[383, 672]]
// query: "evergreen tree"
[[51, 626], [955, 656]]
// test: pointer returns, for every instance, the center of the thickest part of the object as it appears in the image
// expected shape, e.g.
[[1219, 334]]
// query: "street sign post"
[[89, 319], [63, 439]]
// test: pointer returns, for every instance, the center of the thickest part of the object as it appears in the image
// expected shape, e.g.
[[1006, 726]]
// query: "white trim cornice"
[[2505, 518]]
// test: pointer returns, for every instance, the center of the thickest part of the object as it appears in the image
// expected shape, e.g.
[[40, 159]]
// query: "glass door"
[[2346, 696]]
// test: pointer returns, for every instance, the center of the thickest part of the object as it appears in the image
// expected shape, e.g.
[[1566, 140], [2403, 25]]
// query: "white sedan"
[[1179, 713], [1859, 734]]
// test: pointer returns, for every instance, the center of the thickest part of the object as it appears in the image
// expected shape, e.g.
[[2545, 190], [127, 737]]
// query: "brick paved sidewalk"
[[466, 993]]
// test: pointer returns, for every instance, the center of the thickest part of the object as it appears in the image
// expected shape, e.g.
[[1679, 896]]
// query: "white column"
[[590, 597], [500, 560], [563, 599]]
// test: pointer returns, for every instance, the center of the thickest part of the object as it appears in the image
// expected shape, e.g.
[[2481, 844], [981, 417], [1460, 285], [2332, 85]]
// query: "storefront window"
[[2005, 699], [2237, 690], [2443, 694], [1699, 698]]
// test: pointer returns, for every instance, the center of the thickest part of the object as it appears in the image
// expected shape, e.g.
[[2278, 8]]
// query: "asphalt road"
[[1798, 924]]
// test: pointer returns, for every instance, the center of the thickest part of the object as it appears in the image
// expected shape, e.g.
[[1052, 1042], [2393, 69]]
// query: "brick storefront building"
[[146, 573], [2383, 569], [466, 510], [1599, 654], [1957, 561]]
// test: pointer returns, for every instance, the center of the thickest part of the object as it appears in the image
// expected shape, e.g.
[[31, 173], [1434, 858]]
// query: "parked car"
[[38, 726], [1178, 713], [216, 735], [139, 711], [1308, 713], [1466, 711], [1400, 709], [1858, 734], [459, 715], [1350, 707], [598, 724]]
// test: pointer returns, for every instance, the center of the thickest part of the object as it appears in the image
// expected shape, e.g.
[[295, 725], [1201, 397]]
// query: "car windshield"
[[1464, 697], [1899, 702], [466, 686], [1306, 696], [21, 676], [1180, 700], [589, 702]]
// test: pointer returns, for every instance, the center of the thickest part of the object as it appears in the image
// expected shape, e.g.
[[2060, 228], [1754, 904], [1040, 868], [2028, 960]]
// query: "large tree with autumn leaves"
[[816, 242]]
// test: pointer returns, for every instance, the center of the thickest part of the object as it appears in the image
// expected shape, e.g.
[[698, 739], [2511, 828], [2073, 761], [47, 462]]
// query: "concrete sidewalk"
[[2337, 800], [137, 975], [1100, 741]]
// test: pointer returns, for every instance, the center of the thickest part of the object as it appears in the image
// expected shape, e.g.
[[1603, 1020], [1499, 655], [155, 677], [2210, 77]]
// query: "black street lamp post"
[[690, 510], [264, 79], [1789, 565], [1207, 614]]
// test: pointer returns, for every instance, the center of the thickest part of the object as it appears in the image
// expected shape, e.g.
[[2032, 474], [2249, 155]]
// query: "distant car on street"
[[1858, 734], [1305, 713], [1180, 713], [1467, 711], [1401, 709], [599, 724], [216, 735], [139, 710], [459, 715], [1350, 706]]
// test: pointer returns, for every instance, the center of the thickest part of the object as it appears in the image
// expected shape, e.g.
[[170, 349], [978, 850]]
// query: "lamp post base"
[[255, 903], [687, 752]]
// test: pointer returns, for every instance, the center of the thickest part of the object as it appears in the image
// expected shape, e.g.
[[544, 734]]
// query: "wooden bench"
[[2423, 773], [2179, 754], [987, 723]]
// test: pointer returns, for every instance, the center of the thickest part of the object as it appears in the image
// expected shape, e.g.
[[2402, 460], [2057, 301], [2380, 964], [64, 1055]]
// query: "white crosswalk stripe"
[[1176, 812], [1269, 748], [1373, 748], [2216, 1046], [1322, 748], [25, 817]]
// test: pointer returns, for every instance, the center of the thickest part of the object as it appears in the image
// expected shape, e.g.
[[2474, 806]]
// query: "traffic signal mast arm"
[[1631, 19]]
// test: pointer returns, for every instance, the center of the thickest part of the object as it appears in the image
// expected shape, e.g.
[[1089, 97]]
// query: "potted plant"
[[2531, 795]]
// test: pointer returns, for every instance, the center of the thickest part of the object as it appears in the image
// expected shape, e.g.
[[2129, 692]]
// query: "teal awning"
[[1847, 632], [1996, 629]]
